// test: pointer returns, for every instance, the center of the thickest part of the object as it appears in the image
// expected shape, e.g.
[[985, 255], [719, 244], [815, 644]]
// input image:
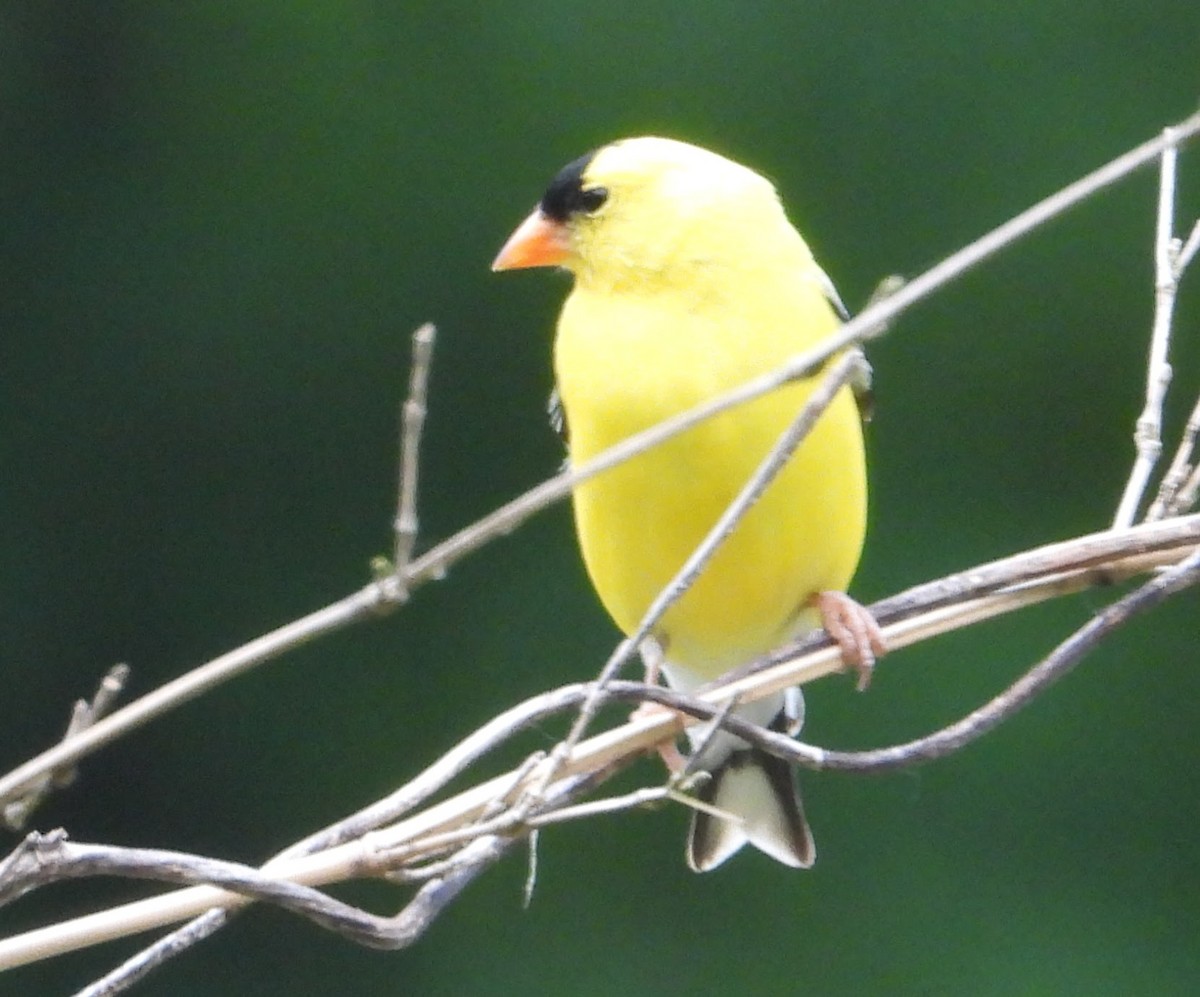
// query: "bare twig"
[[138, 967], [1178, 489], [29, 867], [1187, 252], [395, 593], [1053, 667], [16, 813], [956, 736], [167, 697], [42, 859], [1148, 434], [443, 881], [646, 797], [675, 789], [867, 323], [1177, 492], [1190, 491], [849, 366], [384, 811], [377, 932], [50, 858], [388, 592], [973, 595], [412, 422]]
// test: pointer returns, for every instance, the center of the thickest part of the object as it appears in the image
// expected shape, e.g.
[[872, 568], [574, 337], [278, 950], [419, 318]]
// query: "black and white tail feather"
[[756, 790], [760, 791]]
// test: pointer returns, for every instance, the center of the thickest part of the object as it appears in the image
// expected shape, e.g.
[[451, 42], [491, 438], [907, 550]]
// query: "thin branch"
[[849, 366], [389, 592], [675, 789], [967, 597], [412, 421], [443, 881], [1148, 433], [494, 733], [979, 722], [167, 697], [42, 859], [1175, 494], [377, 932], [140, 966], [1178, 489], [406, 926], [1188, 250], [1189, 493], [143, 963], [1053, 667], [15, 814], [1139, 601], [868, 322]]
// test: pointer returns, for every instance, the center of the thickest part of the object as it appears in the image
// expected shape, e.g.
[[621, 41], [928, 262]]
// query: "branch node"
[[412, 424], [16, 812]]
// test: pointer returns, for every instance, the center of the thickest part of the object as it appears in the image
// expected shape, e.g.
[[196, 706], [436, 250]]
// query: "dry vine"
[[448, 844]]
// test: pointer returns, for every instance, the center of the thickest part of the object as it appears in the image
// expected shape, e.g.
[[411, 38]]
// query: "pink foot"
[[672, 757], [854, 630]]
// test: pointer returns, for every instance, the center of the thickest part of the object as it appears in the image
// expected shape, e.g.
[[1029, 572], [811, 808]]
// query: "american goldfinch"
[[689, 280]]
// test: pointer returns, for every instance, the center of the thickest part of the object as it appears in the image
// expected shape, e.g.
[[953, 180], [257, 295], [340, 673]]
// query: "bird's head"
[[647, 210]]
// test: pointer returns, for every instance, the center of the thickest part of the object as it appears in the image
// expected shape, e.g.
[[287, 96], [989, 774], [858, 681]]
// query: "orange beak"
[[537, 242]]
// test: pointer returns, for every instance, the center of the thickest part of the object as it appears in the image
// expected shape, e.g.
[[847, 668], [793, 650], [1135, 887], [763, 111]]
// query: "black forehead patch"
[[565, 196]]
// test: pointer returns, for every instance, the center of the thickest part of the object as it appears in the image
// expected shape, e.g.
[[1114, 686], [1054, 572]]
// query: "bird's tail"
[[761, 791], [756, 788]]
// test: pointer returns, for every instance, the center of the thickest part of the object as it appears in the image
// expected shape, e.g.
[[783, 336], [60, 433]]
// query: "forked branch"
[[446, 845]]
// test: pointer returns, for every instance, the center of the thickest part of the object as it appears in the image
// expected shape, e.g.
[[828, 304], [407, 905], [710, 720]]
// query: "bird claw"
[[855, 632], [674, 759]]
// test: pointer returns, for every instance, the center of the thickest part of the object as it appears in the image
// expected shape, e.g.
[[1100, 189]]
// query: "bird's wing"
[[557, 415], [864, 394], [831, 293]]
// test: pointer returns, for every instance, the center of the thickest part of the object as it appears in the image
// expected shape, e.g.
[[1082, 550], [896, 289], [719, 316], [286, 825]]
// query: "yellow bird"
[[689, 280]]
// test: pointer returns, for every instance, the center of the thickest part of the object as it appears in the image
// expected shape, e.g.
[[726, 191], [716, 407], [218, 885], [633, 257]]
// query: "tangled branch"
[[448, 844]]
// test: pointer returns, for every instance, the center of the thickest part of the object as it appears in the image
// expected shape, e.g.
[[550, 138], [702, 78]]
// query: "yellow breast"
[[625, 361]]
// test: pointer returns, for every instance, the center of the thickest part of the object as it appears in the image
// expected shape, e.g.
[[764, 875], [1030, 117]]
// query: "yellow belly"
[[638, 523]]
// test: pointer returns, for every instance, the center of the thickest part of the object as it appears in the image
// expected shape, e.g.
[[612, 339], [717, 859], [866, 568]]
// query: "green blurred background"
[[219, 224]]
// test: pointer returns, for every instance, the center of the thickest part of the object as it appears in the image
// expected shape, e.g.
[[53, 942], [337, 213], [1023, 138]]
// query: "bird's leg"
[[674, 759], [652, 659], [854, 630], [792, 715], [652, 656]]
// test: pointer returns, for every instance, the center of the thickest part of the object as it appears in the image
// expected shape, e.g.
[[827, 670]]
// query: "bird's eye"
[[591, 198], [566, 196]]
